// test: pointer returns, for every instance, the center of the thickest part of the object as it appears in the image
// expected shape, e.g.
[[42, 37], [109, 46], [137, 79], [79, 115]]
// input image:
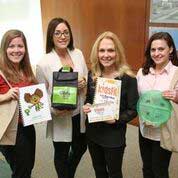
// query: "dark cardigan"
[[113, 135]]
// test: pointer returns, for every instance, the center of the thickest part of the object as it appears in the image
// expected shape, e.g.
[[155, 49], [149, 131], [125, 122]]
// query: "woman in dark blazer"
[[106, 139]]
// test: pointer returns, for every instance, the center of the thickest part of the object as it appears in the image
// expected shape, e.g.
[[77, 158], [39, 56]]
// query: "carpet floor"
[[44, 165], [5, 171]]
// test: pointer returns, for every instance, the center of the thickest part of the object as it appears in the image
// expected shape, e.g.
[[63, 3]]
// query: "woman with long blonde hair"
[[106, 139]]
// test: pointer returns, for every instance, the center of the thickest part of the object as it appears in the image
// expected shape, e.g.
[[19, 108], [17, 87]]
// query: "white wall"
[[24, 15]]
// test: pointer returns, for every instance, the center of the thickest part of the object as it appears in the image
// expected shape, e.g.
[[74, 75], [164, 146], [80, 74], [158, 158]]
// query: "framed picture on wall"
[[172, 31], [164, 11]]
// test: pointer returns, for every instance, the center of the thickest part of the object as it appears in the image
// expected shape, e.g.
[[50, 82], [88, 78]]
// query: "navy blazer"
[[113, 135]]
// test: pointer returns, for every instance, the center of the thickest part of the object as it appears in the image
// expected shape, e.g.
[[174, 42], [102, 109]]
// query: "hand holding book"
[[34, 104], [86, 108], [106, 101]]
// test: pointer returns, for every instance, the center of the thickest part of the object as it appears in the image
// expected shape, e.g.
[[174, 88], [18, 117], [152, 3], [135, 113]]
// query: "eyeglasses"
[[59, 34]]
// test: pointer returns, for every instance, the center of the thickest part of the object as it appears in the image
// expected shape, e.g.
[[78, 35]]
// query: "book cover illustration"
[[100, 112], [34, 104], [108, 91]]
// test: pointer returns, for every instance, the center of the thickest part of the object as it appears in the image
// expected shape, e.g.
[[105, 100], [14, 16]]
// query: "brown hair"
[[7, 67], [50, 32], [170, 42]]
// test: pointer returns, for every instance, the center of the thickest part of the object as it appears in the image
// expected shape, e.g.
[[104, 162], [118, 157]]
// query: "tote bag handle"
[[66, 69], [3, 76]]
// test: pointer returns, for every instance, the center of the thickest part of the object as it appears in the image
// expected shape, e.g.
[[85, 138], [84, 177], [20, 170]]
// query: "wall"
[[25, 16], [126, 18]]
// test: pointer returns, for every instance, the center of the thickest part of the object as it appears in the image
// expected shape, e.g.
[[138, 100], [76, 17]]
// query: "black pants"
[[107, 162], [21, 156], [61, 151], [155, 159], [68, 155], [78, 146]]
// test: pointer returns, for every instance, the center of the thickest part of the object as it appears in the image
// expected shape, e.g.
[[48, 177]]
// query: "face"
[[160, 52], [61, 36], [35, 99], [16, 50], [107, 53]]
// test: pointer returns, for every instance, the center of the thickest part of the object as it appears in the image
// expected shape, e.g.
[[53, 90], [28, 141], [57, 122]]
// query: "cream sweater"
[[169, 131], [60, 128]]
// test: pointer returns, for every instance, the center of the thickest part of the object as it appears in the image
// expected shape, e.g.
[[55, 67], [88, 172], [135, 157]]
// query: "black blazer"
[[113, 135]]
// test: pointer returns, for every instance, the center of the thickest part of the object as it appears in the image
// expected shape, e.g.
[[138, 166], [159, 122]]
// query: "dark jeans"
[[78, 146], [21, 156], [107, 162], [155, 159]]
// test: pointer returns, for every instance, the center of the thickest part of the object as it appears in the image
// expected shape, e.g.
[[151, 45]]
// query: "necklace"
[[67, 61]]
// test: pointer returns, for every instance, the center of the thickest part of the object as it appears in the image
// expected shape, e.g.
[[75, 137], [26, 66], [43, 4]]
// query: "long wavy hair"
[[121, 65], [170, 42], [50, 32], [7, 67]]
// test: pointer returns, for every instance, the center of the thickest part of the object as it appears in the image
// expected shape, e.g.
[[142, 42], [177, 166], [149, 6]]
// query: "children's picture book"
[[34, 104], [108, 91]]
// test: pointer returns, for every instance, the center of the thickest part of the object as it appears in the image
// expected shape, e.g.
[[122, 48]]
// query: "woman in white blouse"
[[67, 128]]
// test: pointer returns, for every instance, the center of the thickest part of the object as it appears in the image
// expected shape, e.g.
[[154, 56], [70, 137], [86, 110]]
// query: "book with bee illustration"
[[34, 104], [107, 93]]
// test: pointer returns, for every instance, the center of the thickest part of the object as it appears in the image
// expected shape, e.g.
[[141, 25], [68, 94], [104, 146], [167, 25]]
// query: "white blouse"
[[60, 128]]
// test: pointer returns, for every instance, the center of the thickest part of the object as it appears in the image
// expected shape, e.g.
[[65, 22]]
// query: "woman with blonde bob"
[[106, 139]]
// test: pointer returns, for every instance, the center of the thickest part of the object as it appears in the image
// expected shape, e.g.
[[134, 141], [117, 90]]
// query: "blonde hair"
[[121, 65], [6, 65]]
